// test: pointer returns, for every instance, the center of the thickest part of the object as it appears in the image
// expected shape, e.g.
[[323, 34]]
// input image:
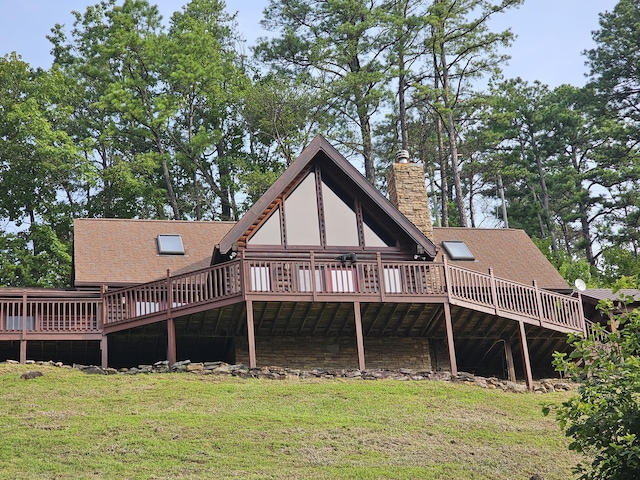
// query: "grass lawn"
[[68, 424]]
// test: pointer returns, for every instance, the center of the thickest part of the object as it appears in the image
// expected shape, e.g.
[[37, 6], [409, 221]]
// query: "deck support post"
[[171, 341], [525, 356], [104, 352], [450, 344], [23, 334], [23, 351], [251, 337], [171, 325], [508, 352], [359, 337]]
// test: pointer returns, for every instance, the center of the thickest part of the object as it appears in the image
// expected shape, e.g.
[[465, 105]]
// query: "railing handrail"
[[374, 278], [545, 306]]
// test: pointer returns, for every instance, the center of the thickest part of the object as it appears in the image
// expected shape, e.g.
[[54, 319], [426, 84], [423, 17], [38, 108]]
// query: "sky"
[[551, 34]]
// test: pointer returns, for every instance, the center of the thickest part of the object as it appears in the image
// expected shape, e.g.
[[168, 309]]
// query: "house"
[[323, 271]]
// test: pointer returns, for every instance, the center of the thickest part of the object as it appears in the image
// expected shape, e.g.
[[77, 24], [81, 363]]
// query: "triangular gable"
[[320, 149]]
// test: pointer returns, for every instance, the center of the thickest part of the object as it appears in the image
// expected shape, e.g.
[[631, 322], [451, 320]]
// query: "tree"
[[615, 62], [40, 168], [336, 48], [461, 49], [603, 419]]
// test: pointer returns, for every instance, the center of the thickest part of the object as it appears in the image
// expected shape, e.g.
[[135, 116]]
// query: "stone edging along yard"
[[279, 373]]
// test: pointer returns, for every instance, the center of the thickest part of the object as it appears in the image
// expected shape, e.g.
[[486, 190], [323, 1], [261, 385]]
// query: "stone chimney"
[[408, 192]]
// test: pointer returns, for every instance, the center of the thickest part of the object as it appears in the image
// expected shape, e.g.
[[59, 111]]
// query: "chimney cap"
[[402, 156]]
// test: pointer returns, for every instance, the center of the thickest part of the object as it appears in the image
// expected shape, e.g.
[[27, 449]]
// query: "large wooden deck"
[[286, 280], [244, 281]]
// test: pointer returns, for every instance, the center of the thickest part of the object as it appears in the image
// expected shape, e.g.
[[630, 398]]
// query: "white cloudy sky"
[[551, 33]]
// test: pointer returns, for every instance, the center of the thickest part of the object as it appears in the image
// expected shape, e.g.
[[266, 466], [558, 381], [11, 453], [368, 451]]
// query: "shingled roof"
[[510, 252], [120, 252]]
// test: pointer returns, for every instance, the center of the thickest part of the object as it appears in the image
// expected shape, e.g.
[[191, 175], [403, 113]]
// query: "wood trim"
[[525, 356], [450, 343], [251, 339], [359, 339]]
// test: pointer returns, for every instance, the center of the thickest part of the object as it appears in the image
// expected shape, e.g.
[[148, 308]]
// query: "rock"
[[93, 370], [12, 362], [31, 374], [536, 476], [29, 362], [515, 387], [195, 367], [481, 382]]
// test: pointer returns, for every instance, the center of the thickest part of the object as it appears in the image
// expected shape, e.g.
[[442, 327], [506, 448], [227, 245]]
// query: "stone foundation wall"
[[332, 353]]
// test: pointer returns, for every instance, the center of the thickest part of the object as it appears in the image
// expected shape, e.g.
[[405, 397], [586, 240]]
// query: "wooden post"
[[581, 315], [251, 339], [525, 356], [381, 279], [104, 352], [103, 308], [359, 338], [494, 291], [245, 283], [312, 274], [171, 326], [511, 369], [539, 302], [450, 344], [23, 335]]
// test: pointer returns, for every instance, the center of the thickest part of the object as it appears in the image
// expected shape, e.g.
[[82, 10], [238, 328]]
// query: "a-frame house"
[[322, 272]]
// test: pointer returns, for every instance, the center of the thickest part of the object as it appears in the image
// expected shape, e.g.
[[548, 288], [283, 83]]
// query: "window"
[[301, 211], [340, 220], [304, 280], [458, 250], [392, 280], [341, 280], [260, 279], [170, 245], [14, 322]]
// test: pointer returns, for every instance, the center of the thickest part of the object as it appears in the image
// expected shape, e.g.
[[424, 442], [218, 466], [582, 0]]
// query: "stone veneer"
[[332, 353], [408, 192]]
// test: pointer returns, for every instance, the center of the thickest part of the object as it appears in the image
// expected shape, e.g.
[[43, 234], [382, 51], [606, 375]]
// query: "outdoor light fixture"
[[347, 258]]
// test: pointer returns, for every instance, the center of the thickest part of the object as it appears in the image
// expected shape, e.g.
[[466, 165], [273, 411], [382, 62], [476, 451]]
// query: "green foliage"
[[603, 419], [34, 258]]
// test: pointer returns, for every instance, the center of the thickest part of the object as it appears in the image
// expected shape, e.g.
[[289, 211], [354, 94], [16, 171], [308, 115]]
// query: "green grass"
[[67, 424]]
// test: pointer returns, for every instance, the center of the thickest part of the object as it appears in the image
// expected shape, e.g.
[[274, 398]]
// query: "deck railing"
[[509, 297], [50, 315], [186, 290], [374, 280], [345, 278]]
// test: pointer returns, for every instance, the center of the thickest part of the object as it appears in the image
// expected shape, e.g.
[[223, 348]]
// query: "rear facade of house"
[[322, 272]]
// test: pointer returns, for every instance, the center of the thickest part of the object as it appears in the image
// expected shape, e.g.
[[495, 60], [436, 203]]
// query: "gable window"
[[319, 213], [170, 245], [340, 220], [458, 250], [301, 210]]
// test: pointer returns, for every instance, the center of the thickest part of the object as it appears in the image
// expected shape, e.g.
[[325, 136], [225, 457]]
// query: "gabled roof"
[[510, 252], [330, 157], [124, 251]]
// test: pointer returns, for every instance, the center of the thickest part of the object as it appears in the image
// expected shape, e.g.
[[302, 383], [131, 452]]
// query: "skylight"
[[170, 245], [458, 250]]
